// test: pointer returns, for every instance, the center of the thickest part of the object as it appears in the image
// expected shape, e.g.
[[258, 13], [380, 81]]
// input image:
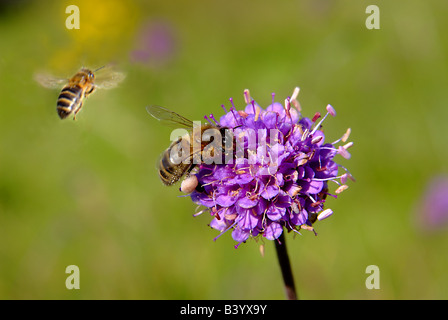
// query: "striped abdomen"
[[171, 163], [69, 100]]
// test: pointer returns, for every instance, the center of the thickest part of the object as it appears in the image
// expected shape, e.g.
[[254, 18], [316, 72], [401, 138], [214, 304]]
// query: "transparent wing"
[[48, 81], [109, 80], [168, 117]]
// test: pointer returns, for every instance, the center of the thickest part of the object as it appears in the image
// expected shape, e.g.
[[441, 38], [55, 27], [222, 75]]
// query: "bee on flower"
[[278, 175]]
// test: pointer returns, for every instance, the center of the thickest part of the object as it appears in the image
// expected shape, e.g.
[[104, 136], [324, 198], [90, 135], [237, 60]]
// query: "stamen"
[[199, 213], [349, 175], [287, 104], [331, 110], [317, 139], [316, 116], [304, 135], [319, 124], [341, 188], [344, 153], [295, 93], [231, 101], [262, 250], [253, 106], [346, 135], [307, 227], [242, 113], [296, 105], [288, 107], [246, 96], [257, 113], [236, 119], [324, 214], [213, 118], [227, 229]]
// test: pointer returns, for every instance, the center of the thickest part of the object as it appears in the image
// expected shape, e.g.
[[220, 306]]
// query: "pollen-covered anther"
[[316, 139], [214, 212], [331, 110], [317, 115], [257, 113], [296, 105], [320, 169], [346, 135], [295, 93], [343, 152], [294, 191], [347, 145], [341, 188], [302, 161], [247, 98], [242, 113], [324, 214], [189, 184], [305, 135], [316, 204], [294, 100], [307, 227]]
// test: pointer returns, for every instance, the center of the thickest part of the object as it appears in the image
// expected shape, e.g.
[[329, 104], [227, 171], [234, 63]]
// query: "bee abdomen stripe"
[[67, 94], [166, 164], [164, 176], [73, 90], [64, 103]]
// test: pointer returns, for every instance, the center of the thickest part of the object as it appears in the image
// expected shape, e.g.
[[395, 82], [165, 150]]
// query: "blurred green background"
[[86, 192]]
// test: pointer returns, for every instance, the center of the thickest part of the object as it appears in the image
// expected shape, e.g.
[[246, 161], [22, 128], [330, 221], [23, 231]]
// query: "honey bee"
[[182, 156], [77, 88]]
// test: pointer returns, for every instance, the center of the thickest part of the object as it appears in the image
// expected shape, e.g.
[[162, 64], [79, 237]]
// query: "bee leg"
[[89, 92], [76, 111]]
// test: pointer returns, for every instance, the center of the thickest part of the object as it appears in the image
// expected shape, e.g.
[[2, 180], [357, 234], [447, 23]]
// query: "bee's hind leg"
[[76, 111]]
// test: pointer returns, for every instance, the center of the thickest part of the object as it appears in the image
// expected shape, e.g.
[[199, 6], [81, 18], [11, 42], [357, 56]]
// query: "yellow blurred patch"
[[106, 31]]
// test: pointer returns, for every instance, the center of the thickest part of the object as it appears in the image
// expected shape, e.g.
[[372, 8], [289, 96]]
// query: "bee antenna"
[[99, 68]]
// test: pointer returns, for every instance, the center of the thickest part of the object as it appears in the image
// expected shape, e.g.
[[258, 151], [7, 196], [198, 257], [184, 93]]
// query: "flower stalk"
[[285, 267]]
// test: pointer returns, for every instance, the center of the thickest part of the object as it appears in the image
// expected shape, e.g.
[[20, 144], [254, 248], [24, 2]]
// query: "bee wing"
[[168, 117], [109, 80], [49, 81]]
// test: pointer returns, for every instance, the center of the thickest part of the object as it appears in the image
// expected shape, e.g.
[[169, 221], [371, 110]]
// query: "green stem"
[[285, 266]]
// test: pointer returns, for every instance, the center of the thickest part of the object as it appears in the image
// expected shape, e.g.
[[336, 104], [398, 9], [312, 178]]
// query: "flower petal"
[[273, 231], [247, 203]]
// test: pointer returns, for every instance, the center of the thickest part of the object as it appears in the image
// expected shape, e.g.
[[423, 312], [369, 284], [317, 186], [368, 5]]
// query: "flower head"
[[278, 175], [432, 208], [156, 44]]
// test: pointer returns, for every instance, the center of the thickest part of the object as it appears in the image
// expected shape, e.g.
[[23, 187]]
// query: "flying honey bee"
[[77, 88], [182, 156]]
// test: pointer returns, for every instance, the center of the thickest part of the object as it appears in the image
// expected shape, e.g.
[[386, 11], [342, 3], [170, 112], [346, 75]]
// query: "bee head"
[[90, 75]]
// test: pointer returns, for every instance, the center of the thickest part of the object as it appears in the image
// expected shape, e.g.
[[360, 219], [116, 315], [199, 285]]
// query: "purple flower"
[[432, 209], [279, 175], [156, 44]]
